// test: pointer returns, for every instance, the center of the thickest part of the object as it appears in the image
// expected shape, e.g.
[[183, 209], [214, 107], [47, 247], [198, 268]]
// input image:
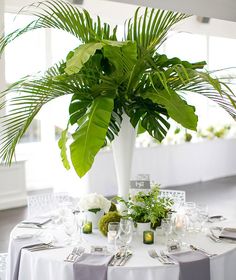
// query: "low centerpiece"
[[94, 205], [146, 209]]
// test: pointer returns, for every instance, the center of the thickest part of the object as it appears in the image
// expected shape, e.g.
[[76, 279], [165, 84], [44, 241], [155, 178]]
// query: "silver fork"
[[166, 257], [153, 254], [76, 252]]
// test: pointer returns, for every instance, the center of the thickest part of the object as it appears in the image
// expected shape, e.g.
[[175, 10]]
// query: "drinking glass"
[[202, 215], [125, 232], [179, 225], [166, 225], [113, 231], [70, 228], [191, 215]]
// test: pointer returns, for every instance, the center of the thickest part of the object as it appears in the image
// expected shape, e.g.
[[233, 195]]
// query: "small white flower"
[[94, 201]]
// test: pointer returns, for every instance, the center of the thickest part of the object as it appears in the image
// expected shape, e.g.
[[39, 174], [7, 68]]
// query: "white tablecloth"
[[49, 264]]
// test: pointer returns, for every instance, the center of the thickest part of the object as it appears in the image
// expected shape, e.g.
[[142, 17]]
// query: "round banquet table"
[[50, 265]]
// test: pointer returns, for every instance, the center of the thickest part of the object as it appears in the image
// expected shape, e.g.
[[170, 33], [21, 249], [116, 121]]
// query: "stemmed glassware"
[[113, 232], [125, 234], [72, 226]]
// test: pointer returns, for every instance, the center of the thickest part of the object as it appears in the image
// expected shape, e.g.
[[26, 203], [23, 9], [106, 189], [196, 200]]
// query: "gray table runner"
[[91, 267], [193, 265], [15, 252]]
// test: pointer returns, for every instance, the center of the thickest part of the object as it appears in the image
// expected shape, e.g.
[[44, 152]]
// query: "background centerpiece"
[[116, 86], [94, 205]]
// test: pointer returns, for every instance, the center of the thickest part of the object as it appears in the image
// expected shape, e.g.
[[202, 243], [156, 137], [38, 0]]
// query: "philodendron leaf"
[[62, 145], [81, 56], [177, 108], [90, 135]]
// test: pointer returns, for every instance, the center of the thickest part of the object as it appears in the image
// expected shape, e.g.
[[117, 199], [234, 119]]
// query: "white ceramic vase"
[[123, 147], [94, 217], [141, 227]]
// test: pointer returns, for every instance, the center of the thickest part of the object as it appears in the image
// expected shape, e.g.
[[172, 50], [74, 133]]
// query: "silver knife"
[[194, 248], [124, 261]]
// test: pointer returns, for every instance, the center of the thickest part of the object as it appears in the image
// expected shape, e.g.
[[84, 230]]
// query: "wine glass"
[[70, 228], [113, 231], [125, 234]]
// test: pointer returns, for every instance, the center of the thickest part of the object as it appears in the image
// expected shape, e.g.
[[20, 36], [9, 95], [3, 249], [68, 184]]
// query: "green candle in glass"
[[87, 227], [148, 237]]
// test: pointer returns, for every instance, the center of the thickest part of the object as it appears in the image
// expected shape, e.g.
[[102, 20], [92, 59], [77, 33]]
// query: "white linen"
[[49, 264]]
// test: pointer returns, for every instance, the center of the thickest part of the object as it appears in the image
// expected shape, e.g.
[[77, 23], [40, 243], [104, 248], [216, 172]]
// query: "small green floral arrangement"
[[106, 219], [147, 207]]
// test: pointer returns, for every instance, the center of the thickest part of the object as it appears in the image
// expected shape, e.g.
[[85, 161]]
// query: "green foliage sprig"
[[147, 207]]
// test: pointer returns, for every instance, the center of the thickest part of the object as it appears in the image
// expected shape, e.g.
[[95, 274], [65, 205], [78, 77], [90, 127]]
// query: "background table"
[[49, 264]]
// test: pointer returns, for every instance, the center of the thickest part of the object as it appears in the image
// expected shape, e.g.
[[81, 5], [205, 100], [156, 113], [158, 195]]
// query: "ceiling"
[[117, 11]]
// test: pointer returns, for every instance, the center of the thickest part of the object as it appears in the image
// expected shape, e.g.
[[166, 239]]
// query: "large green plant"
[[106, 78]]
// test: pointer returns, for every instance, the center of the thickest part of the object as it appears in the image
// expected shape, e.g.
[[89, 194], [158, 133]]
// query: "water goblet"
[[166, 226], [112, 234]]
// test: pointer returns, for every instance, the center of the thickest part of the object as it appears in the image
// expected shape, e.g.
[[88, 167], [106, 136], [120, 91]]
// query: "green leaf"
[[81, 56], [141, 130], [123, 55], [62, 145], [177, 108], [90, 135]]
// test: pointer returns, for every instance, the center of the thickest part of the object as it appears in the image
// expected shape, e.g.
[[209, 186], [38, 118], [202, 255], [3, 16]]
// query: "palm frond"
[[63, 16], [30, 95], [149, 30]]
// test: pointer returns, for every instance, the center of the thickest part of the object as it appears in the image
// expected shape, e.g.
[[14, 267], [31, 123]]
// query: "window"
[[26, 54]]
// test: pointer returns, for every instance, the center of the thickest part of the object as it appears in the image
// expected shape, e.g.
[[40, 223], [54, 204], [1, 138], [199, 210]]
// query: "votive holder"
[[148, 237], [87, 227]]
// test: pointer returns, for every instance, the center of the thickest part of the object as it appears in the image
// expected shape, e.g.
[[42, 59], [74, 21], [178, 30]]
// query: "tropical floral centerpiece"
[[107, 78]]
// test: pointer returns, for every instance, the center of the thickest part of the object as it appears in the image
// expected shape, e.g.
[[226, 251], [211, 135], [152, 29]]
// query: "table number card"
[[141, 184]]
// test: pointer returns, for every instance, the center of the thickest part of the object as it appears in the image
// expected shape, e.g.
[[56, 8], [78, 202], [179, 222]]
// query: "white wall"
[[169, 165]]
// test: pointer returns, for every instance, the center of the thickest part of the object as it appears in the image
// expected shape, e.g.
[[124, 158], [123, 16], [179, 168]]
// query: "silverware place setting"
[[42, 246], [121, 258], [162, 259], [194, 248], [75, 254]]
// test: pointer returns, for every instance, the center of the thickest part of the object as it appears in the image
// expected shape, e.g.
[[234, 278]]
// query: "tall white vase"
[[123, 147]]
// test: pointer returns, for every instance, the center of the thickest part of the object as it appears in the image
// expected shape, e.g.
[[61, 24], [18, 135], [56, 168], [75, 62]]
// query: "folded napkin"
[[15, 255], [91, 266], [228, 233], [193, 265]]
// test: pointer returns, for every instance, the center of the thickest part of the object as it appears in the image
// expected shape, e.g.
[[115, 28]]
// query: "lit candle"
[[179, 223], [148, 237], [87, 227], [111, 236]]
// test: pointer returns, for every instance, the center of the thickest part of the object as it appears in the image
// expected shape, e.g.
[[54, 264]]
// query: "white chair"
[[40, 204], [178, 197], [3, 265]]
